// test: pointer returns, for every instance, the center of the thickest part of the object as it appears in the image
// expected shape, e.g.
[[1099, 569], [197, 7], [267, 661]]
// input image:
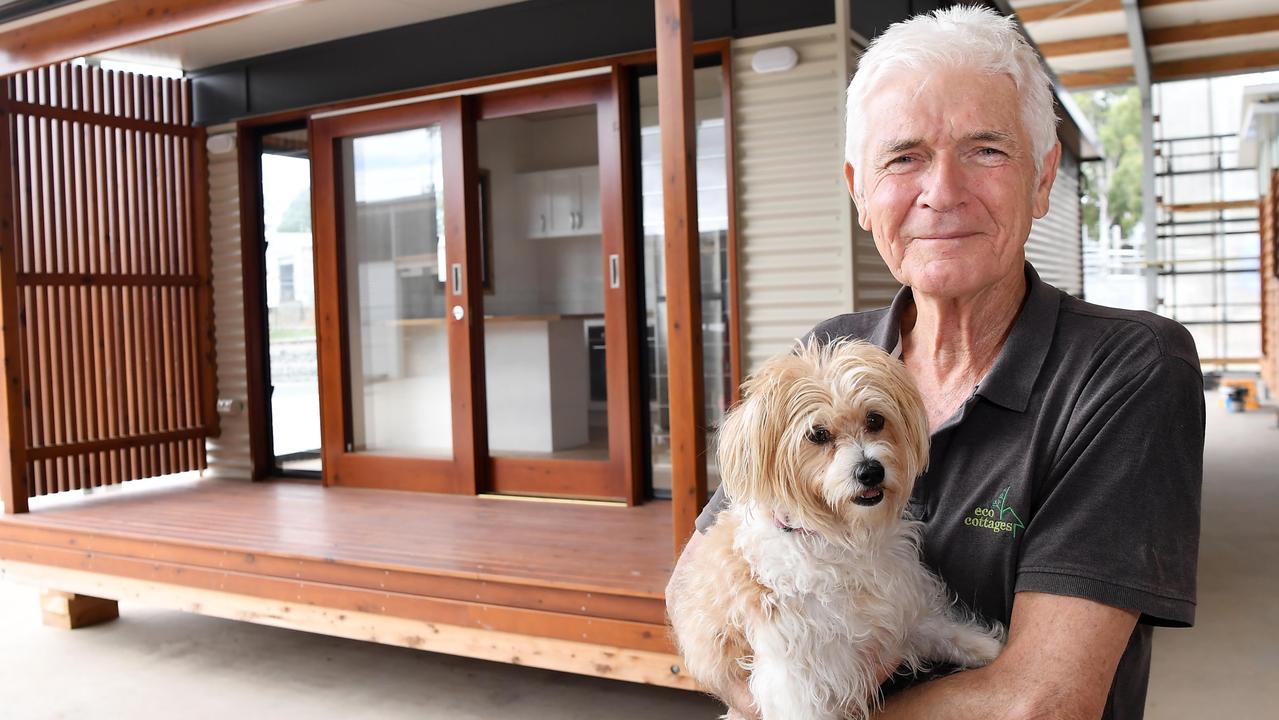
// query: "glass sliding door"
[[556, 335], [396, 296], [713, 225], [285, 172], [476, 310], [548, 290]]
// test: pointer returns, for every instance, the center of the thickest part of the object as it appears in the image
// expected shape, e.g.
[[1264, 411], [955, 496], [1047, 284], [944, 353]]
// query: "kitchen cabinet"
[[538, 404], [561, 203]]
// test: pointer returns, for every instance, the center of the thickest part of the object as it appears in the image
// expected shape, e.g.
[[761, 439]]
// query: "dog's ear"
[[753, 434], [740, 456], [914, 418]]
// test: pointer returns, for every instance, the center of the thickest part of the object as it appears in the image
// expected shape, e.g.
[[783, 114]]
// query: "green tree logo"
[[1000, 505]]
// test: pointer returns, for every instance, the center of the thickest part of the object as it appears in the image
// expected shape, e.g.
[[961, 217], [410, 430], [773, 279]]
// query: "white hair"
[[969, 37]]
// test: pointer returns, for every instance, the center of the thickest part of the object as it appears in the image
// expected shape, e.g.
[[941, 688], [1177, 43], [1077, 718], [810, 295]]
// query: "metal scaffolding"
[[1207, 239]]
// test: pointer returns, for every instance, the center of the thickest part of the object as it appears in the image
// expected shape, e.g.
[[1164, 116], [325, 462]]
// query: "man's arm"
[[1059, 663]]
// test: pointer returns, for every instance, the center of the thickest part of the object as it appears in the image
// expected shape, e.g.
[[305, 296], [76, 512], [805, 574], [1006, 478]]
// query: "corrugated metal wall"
[[1054, 246], [873, 285], [229, 453], [796, 263]]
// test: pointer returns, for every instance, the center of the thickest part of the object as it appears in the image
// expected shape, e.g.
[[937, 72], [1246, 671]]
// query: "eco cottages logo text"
[[998, 517]]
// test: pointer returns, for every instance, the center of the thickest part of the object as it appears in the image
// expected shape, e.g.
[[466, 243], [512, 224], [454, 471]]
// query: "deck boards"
[[614, 549]]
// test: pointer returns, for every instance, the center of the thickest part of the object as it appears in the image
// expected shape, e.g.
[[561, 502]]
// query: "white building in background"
[[1112, 268], [290, 287]]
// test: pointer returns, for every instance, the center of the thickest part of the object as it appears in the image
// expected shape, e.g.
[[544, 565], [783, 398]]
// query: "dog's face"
[[831, 438]]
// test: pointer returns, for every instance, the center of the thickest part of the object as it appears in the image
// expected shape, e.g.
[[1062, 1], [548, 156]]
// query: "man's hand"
[[1059, 663]]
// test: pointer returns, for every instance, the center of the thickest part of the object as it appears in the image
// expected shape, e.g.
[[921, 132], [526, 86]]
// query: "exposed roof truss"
[[1088, 43]]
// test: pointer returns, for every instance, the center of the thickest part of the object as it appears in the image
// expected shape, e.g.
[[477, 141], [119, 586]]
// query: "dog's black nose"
[[869, 473]]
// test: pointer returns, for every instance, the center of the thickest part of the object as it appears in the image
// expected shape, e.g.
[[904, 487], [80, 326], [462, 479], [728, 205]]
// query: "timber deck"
[[590, 574]]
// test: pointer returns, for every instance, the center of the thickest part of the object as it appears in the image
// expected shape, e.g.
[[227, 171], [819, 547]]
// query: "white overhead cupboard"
[[561, 203]]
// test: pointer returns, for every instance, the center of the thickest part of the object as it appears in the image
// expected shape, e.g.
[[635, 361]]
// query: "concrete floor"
[[1227, 666], [153, 664], [161, 664]]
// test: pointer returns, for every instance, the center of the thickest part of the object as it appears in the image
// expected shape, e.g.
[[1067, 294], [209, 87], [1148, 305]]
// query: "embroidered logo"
[[997, 517]]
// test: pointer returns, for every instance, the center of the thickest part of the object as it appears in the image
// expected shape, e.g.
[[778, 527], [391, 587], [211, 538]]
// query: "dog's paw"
[[978, 646]]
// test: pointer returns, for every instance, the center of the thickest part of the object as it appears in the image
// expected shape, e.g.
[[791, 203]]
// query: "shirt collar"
[[1012, 378]]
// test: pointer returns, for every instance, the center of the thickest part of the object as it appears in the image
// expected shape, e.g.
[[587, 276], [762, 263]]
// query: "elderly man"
[[1067, 439]]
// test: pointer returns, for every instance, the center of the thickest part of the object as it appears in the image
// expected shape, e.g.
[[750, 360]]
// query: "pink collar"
[[781, 525]]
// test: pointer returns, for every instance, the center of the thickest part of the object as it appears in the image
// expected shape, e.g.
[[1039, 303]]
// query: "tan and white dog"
[[809, 588]]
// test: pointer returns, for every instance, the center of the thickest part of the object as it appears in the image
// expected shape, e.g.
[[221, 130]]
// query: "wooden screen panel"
[[112, 277]]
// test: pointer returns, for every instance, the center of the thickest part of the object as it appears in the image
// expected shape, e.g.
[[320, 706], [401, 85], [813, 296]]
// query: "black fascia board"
[[509, 38]]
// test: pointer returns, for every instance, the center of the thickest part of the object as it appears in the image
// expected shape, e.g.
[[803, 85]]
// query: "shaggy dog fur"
[[809, 587]]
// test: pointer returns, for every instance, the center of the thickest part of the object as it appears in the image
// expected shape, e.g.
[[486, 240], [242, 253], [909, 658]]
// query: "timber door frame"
[[342, 464], [618, 477], [257, 341]]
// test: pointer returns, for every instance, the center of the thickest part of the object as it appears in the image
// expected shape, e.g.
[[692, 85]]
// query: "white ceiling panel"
[[1079, 26], [1216, 46], [1091, 61], [1190, 13]]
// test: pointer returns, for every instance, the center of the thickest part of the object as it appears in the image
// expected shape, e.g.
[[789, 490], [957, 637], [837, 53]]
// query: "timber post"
[[683, 265], [13, 437]]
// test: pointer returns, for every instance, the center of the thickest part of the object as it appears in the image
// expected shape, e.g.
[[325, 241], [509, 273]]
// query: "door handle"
[[614, 271]]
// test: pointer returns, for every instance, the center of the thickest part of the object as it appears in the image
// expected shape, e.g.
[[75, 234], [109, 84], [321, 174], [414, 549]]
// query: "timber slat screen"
[[111, 266]]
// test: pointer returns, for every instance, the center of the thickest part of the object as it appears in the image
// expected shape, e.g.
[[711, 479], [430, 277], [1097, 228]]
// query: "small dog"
[[809, 587]]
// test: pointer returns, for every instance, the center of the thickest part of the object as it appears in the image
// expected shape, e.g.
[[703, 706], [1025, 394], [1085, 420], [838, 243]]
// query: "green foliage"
[[1117, 179], [297, 216]]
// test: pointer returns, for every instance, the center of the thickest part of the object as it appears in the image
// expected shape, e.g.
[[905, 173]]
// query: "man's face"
[[949, 188]]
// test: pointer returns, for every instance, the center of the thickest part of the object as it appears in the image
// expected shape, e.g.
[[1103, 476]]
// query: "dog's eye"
[[819, 435], [874, 422]]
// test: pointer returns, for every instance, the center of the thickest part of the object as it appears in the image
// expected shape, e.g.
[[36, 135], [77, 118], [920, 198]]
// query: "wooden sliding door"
[[560, 375], [475, 312], [397, 289]]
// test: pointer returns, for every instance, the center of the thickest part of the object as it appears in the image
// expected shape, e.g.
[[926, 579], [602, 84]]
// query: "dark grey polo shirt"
[[1074, 468]]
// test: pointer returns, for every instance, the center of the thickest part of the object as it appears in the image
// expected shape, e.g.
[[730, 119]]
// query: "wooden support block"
[[70, 611], [616, 663]]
